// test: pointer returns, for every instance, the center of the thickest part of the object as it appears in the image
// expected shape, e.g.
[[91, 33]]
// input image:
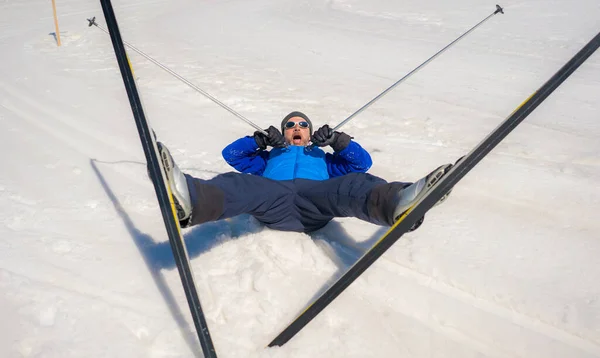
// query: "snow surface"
[[507, 267]]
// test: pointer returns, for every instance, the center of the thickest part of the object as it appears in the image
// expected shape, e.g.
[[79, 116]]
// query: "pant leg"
[[232, 194], [359, 195]]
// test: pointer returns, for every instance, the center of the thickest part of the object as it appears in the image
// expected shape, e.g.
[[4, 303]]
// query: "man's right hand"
[[273, 138]]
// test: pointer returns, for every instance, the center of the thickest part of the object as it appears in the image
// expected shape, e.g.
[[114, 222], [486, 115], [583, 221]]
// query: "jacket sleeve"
[[244, 156], [353, 159]]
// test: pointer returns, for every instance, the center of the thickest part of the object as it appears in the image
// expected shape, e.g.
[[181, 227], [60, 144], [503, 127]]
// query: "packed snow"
[[506, 267]]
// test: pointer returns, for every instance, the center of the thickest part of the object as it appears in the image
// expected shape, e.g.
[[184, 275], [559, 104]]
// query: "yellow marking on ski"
[[130, 67], [400, 219], [173, 209], [522, 104]]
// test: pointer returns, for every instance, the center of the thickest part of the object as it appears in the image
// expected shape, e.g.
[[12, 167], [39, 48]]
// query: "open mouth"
[[297, 139]]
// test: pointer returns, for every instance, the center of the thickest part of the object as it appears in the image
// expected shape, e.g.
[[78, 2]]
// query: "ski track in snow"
[[506, 268]]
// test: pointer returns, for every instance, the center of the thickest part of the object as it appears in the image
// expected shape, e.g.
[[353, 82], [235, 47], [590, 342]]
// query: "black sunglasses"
[[292, 124]]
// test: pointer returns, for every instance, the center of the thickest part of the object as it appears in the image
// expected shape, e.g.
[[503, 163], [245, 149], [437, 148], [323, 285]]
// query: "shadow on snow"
[[333, 239]]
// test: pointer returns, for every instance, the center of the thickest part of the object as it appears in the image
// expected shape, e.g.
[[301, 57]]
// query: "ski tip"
[[499, 9]]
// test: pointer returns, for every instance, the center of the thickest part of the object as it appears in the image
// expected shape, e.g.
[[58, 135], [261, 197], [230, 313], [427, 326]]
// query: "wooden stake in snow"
[[57, 33]]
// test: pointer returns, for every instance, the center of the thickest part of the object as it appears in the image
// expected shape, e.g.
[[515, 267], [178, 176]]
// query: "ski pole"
[[498, 10], [92, 21]]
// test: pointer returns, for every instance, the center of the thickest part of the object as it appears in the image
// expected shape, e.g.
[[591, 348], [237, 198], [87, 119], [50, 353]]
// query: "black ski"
[[155, 170], [438, 191]]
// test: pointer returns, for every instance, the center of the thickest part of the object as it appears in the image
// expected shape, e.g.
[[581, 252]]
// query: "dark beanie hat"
[[296, 114]]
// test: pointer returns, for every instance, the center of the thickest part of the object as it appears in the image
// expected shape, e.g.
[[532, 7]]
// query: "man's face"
[[296, 134]]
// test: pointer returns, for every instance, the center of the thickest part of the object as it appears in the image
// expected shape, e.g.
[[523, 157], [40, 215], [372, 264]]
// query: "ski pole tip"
[[92, 21], [499, 9]]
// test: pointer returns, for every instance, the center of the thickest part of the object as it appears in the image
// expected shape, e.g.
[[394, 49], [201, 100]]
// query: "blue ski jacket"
[[295, 162]]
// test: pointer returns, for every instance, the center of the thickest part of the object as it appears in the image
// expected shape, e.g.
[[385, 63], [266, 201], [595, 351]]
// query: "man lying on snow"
[[294, 187]]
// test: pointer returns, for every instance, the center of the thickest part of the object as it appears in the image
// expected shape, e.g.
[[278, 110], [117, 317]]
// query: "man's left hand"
[[325, 136]]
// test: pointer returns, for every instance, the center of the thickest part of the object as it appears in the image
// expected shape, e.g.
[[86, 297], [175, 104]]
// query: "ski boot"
[[178, 185], [409, 195]]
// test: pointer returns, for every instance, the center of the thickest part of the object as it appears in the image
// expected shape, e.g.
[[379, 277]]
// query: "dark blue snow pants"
[[299, 205]]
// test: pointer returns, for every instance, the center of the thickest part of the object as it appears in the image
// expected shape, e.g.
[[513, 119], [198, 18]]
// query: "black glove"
[[273, 138], [325, 136]]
